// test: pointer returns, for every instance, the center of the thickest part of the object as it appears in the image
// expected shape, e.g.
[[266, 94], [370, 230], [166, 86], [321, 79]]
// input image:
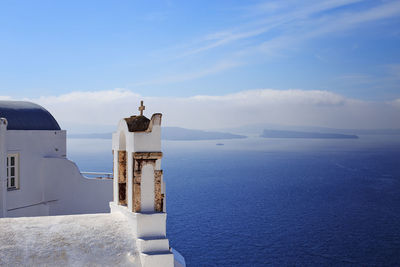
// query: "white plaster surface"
[[148, 141], [152, 225], [73, 240], [115, 174], [3, 174], [50, 184], [75, 194], [137, 141], [32, 147], [147, 189]]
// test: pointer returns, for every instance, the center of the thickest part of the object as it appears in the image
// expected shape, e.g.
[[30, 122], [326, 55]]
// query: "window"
[[12, 171]]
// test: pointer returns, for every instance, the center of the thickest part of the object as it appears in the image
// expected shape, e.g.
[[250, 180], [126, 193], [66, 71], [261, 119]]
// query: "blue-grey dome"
[[22, 115]]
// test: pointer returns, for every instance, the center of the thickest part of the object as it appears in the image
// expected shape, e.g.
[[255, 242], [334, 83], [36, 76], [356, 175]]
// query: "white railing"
[[97, 175]]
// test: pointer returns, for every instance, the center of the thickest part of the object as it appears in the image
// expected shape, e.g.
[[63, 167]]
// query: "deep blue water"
[[259, 202]]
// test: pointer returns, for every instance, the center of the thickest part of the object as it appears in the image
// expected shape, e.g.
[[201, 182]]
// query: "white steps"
[[157, 259]]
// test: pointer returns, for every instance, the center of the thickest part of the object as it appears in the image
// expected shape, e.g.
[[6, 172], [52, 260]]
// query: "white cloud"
[[100, 110], [190, 75], [394, 71], [274, 97], [396, 103], [292, 23], [267, 29]]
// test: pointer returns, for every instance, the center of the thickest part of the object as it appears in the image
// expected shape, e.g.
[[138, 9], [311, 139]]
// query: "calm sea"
[[258, 202]]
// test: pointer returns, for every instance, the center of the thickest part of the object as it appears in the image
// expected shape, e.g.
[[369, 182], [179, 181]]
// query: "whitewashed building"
[[133, 233], [37, 178]]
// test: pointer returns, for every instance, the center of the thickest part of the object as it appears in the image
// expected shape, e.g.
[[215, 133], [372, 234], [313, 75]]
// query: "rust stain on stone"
[[137, 179], [122, 166], [158, 197]]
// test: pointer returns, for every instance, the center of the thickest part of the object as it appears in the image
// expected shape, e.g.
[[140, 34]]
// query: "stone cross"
[[141, 108]]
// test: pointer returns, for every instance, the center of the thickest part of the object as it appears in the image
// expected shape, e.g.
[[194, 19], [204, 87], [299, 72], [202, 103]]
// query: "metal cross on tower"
[[141, 108]]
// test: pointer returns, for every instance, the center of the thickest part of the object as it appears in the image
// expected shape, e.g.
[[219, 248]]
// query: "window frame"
[[9, 167]]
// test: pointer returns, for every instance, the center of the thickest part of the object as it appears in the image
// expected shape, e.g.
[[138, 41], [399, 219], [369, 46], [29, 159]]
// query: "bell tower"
[[138, 182], [139, 189]]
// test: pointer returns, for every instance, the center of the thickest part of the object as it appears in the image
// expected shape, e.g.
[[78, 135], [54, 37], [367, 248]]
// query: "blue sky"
[[164, 49]]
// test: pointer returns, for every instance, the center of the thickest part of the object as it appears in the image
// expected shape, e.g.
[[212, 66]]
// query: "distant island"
[[171, 133], [295, 134], [256, 129]]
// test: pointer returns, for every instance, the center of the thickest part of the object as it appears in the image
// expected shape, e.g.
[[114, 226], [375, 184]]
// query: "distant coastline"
[[171, 133], [267, 133]]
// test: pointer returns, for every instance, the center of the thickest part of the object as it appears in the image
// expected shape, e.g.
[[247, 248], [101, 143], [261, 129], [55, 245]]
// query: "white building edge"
[[36, 179]]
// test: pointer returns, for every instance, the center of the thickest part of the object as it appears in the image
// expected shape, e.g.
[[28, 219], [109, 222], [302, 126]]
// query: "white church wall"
[[31, 147], [36, 209], [148, 141], [115, 174], [3, 173], [122, 139], [137, 141]]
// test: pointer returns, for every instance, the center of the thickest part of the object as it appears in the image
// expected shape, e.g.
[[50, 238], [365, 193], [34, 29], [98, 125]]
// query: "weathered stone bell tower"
[[139, 190], [137, 164]]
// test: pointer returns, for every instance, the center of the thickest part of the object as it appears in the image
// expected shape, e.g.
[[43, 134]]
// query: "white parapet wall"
[[74, 193], [61, 190]]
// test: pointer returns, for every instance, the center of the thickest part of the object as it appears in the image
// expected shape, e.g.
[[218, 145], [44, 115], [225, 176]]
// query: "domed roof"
[[22, 115]]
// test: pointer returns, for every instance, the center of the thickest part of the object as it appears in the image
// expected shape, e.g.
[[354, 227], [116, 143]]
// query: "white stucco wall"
[[136, 141], [3, 174], [115, 174], [145, 226], [74, 193], [31, 146], [147, 189], [49, 183], [148, 141]]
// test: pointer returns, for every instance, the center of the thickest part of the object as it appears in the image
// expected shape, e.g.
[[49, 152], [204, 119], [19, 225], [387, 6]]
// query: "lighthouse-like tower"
[[139, 190]]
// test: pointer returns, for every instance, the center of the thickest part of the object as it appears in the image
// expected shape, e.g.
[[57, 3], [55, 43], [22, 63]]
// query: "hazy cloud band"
[[100, 110]]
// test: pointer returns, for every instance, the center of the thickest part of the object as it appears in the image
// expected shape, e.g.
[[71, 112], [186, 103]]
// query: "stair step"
[[151, 245], [157, 259]]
